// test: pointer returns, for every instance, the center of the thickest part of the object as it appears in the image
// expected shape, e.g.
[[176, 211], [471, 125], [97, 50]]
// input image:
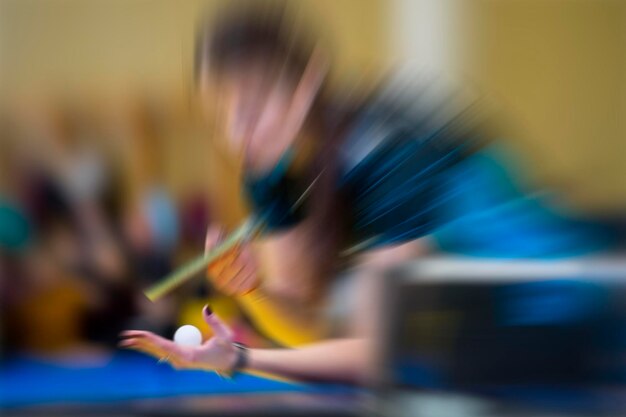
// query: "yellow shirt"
[[283, 328]]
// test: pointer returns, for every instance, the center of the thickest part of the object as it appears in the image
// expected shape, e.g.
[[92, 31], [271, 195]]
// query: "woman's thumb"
[[220, 329]]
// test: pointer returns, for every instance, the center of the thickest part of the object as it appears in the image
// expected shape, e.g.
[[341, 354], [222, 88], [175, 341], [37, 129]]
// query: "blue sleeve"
[[493, 216], [397, 192], [473, 205]]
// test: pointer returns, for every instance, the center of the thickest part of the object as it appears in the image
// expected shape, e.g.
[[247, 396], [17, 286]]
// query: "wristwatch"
[[241, 361]]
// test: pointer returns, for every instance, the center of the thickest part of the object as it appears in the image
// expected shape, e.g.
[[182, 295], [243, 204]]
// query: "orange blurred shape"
[[218, 269]]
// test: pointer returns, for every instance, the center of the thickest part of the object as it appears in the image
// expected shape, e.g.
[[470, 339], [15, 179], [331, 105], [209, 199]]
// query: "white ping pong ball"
[[188, 335]]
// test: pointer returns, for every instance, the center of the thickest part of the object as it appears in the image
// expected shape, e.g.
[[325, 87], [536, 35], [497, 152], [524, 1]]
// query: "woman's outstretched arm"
[[333, 360]]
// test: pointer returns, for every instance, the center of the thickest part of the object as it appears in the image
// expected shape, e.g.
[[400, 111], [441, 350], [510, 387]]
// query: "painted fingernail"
[[207, 310]]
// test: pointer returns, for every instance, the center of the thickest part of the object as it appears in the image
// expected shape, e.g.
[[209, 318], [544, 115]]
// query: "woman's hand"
[[217, 353], [235, 272]]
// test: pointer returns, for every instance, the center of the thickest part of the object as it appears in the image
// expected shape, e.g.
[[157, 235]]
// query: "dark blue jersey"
[[406, 175], [403, 184]]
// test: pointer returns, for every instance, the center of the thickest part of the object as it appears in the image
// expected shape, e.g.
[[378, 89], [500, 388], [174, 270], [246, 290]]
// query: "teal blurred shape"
[[15, 229]]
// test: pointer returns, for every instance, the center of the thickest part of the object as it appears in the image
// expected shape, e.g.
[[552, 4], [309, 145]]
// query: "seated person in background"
[[45, 312], [345, 188]]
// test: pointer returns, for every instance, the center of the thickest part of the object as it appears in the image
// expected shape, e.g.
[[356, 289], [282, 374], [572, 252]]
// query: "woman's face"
[[254, 102]]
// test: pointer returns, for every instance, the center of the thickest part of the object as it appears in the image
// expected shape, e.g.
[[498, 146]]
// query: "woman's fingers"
[[150, 337], [174, 359], [216, 353], [217, 268], [134, 333], [249, 273], [145, 347], [220, 329], [234, 272], [243, 278], [152, 344]]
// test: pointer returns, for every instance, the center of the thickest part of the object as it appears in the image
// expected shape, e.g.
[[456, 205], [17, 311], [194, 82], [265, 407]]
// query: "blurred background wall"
[[557, 66], [111, 56], [105, 45]]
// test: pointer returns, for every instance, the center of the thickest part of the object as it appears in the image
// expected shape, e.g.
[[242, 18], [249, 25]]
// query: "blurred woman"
[[344, 188]]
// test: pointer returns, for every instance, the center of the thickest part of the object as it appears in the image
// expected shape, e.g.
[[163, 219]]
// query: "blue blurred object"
[[127, 376], [162, 219], [491, 216], [550, 302], [407, 177], [15, 229], [274, 195]]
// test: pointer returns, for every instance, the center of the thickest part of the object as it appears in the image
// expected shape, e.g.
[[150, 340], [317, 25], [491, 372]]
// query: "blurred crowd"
[[88, 221]]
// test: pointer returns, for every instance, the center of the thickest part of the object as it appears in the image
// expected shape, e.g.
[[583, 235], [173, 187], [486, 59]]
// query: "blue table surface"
[[126, 376]]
